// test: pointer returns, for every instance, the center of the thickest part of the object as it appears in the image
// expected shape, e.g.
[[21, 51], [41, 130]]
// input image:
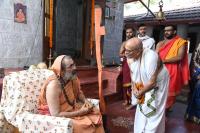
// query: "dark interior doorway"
[[71, 29], [158, 33], [192, 36]]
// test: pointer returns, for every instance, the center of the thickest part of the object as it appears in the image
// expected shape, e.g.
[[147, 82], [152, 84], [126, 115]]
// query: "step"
[[111, 96], [90, 86], [87, 71], [90, 80], [111, 83]]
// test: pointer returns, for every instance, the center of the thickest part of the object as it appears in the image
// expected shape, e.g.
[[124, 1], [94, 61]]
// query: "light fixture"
[[160, 15]]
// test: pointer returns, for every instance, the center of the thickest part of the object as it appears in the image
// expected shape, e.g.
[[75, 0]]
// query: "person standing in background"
[[173, 53], [147, 41], [126, 71], [193, 109]]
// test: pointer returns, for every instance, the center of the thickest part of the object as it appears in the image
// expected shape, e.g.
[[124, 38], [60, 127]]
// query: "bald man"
[[150, 81]]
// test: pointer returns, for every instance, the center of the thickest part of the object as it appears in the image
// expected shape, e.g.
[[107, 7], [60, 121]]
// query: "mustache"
[[74, 72], [70, 75], [169, 36]]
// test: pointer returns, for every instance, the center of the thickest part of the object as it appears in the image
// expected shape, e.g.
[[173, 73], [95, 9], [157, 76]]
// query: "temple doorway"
[[71, 29], [72, 24]]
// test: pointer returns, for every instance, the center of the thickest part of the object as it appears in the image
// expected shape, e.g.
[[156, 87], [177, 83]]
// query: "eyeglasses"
[[131, 50], [128, 51], [71, 66]]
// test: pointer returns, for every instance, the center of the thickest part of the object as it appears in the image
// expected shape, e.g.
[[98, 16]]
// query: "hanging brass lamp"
[[160, 16]]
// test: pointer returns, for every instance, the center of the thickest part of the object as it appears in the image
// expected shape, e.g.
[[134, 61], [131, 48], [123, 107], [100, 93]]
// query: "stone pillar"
[[113, 38], [21, 44], [182, 30]]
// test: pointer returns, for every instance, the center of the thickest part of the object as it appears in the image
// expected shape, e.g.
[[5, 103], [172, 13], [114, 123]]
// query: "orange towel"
[[139, 86]]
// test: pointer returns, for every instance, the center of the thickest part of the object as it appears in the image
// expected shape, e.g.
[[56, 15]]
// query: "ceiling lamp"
[[160, 15]]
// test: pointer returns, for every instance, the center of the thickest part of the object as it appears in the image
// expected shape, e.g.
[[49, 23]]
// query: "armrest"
[[43, 123], [95, 102], [5, 126]]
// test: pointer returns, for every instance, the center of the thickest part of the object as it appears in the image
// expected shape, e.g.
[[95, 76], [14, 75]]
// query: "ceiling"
[[128, 1]]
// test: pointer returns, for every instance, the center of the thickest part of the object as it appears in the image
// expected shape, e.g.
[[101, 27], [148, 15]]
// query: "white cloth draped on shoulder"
[[147, 42]]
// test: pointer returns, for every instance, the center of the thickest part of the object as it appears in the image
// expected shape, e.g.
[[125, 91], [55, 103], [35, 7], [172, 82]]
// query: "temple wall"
[[21, 44], [182, 30], [113, 37]]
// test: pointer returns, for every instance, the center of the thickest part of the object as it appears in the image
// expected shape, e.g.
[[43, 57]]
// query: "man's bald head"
[[134, 43], [133, 47]]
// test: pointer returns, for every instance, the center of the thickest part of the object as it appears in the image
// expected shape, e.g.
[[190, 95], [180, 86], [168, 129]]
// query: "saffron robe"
[[179, 71]]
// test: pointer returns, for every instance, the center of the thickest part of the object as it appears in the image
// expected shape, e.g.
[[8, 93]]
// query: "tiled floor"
[[121, 120]]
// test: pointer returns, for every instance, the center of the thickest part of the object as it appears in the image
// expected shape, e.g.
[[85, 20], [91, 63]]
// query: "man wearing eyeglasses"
[[149, 85], [126, 72], [147, 41], [173, 53]]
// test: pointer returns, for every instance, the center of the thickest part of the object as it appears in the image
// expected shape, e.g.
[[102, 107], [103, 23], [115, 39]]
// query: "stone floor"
[[121, 120]]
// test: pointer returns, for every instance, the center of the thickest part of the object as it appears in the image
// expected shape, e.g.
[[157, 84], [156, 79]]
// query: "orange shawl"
[[179, 72]]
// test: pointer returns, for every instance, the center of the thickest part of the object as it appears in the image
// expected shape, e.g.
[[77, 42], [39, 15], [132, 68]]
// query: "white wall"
[[21, 44]]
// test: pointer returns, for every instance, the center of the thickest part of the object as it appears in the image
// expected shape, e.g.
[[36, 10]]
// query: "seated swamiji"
[[61, 96]]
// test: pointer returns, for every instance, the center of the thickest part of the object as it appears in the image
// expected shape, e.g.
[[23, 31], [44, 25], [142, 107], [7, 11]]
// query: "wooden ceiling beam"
[[155, 22], [128, 1]]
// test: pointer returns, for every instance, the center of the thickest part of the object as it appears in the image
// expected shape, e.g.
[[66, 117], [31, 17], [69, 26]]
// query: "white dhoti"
[[150, 116], [156, 122]]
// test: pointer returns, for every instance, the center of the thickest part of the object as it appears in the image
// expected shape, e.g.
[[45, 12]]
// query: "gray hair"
[[64, 63]]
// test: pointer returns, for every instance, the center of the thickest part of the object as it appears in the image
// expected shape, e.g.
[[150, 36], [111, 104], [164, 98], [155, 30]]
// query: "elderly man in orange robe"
[[61, 96], [173, 53]]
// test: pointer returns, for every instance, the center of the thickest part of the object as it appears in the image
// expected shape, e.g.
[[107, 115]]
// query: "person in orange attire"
[[173, 53], [61, 96], [126, 71]]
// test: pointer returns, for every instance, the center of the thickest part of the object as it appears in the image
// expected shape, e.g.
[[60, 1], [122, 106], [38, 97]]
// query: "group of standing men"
[[153, 76]]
